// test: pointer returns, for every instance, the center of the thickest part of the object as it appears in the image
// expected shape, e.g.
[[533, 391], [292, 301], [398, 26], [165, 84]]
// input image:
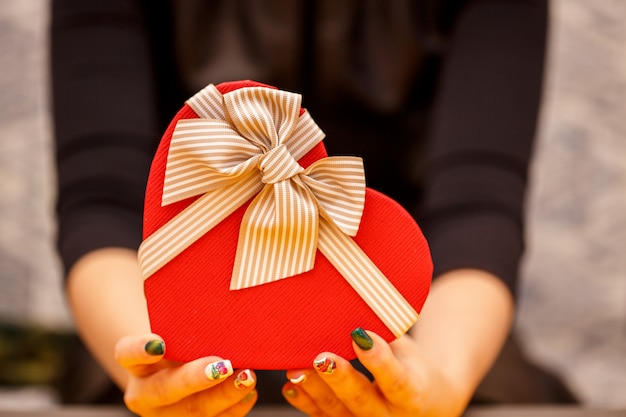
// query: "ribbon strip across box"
[[262, 249]]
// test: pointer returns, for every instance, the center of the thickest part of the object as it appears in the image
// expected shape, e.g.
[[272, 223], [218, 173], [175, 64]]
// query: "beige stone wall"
[[29, 271], [573, 308]]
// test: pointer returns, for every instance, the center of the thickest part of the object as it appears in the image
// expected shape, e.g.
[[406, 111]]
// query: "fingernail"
[[298, 379], [362, 339], [291, 392], [244, 379], [325, 365], [249, 397], [155, 347], [218, 370]]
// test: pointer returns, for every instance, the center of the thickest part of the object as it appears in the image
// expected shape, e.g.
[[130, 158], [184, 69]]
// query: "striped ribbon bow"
[[245, 145]]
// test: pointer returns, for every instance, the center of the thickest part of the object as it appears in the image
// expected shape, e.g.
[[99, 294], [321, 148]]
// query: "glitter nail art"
[[291, 393], [325, 365], [249, 397], [362, 339], [154, 347]]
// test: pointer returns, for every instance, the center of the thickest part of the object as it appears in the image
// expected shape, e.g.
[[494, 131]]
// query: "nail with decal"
[[325, 365], [155, 347], [244, 379], [362, 339], [218, 370]]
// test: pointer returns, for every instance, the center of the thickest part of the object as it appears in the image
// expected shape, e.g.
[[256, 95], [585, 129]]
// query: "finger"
[[134, 353], [299, 399], [392, 377], [174, 384], [243, 407], [319, 392], [225, 399], [352, 392]]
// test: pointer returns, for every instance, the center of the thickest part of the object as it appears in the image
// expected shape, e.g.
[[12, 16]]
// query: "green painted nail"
[[155, 347], [291, 393], [248, 397], [362, 339]]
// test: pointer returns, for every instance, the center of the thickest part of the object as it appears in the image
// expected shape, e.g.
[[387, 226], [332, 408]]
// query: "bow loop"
[[205, 154], [338, 184], [265, 116]]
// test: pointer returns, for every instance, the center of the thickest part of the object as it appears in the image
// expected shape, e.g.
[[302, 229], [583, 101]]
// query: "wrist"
[[463, 326]]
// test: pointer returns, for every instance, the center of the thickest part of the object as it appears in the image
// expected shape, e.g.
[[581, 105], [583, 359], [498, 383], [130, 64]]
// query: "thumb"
[[393, 377]]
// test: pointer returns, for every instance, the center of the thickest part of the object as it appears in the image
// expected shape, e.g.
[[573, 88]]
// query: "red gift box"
[[263, 295]]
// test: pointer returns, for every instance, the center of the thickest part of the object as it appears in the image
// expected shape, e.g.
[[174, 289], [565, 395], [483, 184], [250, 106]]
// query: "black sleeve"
[[482, 137], [105, 123]]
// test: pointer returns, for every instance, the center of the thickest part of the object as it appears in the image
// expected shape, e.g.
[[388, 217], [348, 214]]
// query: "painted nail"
[[218, 370], [155, 347], [249, 397], [291, 393], [298, 379], [362, 339], [325, 365], [244, 379]]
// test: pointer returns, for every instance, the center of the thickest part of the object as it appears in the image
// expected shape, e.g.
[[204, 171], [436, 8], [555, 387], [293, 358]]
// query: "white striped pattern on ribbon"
[[366, 279]]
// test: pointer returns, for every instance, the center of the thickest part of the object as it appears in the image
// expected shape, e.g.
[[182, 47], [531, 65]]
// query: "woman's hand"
[[406, 383], [203, 387], [432, 371]]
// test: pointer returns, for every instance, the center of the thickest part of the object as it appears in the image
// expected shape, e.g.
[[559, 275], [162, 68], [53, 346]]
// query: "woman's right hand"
[[203, 387]]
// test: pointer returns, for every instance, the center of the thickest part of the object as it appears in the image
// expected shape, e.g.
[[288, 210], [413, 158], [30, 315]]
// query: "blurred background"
[[572, 311]]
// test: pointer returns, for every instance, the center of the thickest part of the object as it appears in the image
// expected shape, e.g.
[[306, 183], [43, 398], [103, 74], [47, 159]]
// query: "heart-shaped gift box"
[[280, 308]]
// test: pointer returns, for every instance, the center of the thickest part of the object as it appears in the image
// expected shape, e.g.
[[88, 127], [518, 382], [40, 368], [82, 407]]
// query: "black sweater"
[[440, 98]]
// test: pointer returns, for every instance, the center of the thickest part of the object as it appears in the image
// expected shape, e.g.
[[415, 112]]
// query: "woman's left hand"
[[405, 383]]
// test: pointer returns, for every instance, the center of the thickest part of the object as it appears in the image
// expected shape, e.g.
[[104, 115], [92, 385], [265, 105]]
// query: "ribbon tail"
[[366, 279], [193, 222], [278, 236]]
